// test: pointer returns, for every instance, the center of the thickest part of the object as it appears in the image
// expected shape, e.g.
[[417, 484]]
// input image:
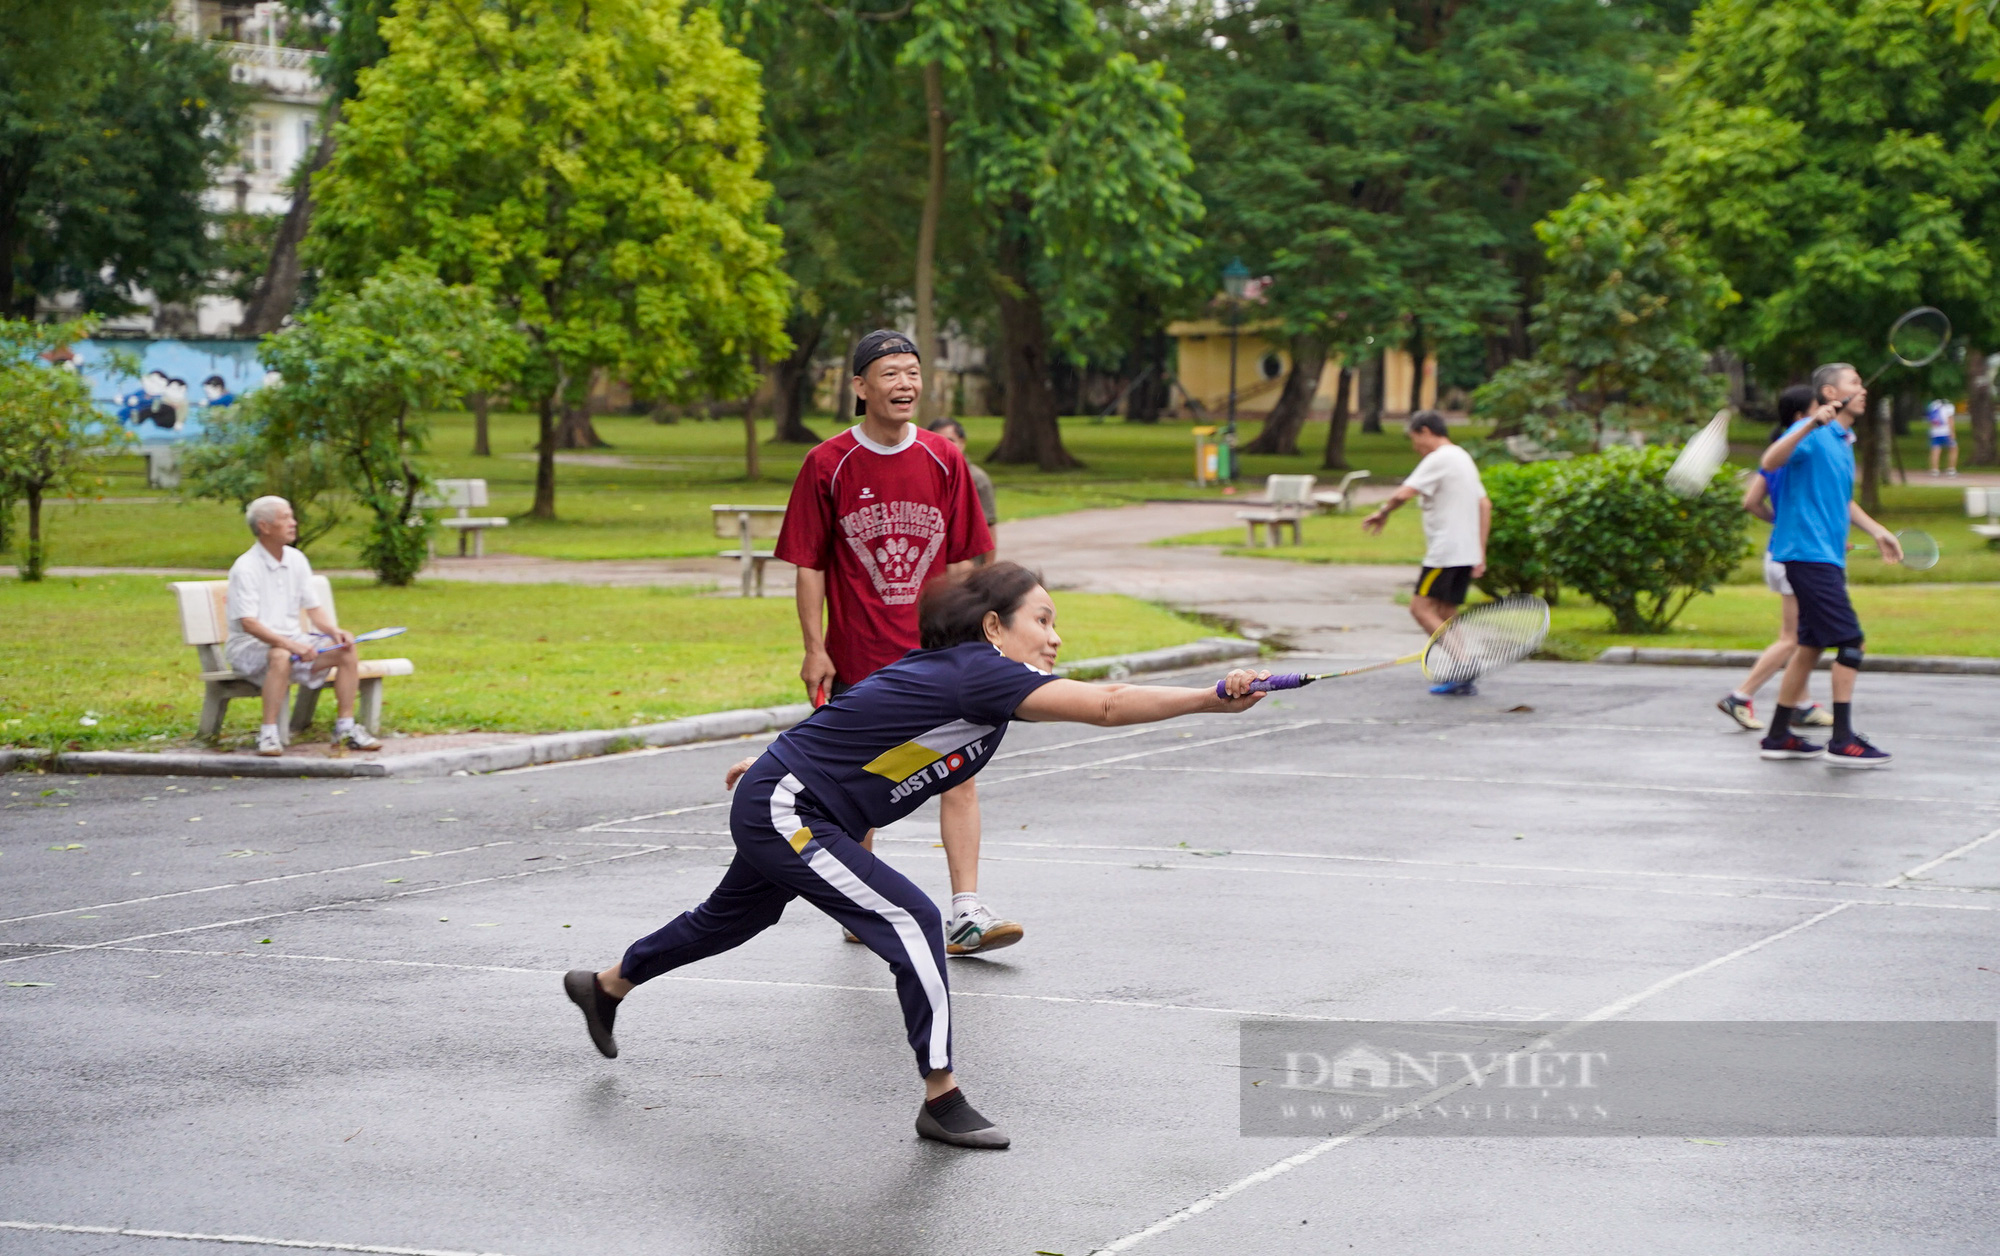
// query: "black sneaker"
[[1855, 752], [1791, 746], [599, 1008], [950, 1119]]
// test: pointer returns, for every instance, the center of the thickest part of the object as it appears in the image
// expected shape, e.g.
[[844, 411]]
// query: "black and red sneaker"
[[1855, 752], [1791, 746]]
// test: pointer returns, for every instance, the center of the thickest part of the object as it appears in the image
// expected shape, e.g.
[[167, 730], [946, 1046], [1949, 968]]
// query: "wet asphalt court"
[[329, 1012]]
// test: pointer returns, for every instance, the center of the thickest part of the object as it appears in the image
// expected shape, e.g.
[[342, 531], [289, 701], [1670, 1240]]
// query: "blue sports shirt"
[[925, 723], [1811, 524]]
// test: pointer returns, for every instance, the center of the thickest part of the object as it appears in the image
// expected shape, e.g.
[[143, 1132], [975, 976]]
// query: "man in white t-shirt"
[[270, 588], [1457, 517]]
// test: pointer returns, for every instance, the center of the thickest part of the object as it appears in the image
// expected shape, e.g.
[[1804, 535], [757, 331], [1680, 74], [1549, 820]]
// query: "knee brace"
[[1849, 654]]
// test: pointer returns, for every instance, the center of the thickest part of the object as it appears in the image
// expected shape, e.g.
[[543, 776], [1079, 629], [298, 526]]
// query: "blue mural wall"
[[190, 360]]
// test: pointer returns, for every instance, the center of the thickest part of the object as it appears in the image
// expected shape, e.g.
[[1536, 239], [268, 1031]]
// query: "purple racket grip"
[[1283, 680]]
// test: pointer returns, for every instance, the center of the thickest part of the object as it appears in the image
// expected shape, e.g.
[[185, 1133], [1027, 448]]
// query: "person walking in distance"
[[1814, 512], [982, 483], [1458, 516], [878, 512]]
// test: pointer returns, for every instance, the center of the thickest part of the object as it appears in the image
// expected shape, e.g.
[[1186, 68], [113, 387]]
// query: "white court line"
[[652, 815], [1314, 1152], [1897, 880], [1145, 754], [1139, 1004], [245, 1240], [1717, 730], [1719, 790], [237, 885], [352, 902]]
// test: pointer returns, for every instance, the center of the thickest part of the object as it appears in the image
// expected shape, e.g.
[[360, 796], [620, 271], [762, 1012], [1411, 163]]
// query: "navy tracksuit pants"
[[787, 848]]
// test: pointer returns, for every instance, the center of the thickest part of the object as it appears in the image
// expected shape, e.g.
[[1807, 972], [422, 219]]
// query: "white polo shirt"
[[1448, 485], [272, 591]]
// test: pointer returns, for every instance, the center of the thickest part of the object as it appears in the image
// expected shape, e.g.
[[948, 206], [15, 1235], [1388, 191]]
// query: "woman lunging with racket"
[[870, 756]]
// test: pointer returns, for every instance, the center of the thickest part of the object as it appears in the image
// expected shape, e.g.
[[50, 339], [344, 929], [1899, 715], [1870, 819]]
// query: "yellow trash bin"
[[1207, 457]]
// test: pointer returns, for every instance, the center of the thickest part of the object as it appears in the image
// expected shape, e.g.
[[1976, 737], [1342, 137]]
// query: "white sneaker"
[[979, 930], [269, 744], [356, 738]]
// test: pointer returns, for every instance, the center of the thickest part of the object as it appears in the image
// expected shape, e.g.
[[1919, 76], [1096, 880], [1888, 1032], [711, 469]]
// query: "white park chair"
[[1984, 503], [204, 606], [1340, 498], [463, 496], [1287, 498]]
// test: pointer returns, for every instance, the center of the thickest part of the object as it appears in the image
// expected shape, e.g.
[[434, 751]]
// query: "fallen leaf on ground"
[[29, 985]]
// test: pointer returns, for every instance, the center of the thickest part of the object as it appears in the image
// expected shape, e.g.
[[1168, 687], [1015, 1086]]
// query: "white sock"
[[1740, 696], [344, 726], [267, 730], [964, 904]]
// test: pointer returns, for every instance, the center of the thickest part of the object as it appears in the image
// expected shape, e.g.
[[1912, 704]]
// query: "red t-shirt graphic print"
[[881, 521]]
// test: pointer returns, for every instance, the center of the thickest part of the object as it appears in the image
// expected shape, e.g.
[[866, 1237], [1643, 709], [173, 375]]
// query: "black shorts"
[[1826, 617], [1445, 584]]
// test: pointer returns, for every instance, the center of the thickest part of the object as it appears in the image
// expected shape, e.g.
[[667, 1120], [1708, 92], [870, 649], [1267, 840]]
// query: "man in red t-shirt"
[[876, 513]]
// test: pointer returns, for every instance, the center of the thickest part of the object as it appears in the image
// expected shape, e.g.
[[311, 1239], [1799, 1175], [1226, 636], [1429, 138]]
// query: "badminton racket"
[[1918, 338], [376, 634], [1467, 646], [1920, 550], [1700, 458]]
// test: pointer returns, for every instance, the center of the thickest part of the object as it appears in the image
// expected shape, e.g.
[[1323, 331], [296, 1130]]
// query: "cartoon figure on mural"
[[216, 389]]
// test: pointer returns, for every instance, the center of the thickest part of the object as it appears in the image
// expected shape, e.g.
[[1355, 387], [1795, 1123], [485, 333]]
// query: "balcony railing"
[[270, 56]]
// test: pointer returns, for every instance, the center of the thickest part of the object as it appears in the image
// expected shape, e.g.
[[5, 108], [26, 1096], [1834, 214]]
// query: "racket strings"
[[1487, 638]]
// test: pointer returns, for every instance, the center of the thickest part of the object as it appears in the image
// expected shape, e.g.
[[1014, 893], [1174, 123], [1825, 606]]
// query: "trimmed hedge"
[[1514, 562]]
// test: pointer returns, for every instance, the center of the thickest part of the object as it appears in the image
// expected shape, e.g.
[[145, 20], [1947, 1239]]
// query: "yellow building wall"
[[1261, 367]]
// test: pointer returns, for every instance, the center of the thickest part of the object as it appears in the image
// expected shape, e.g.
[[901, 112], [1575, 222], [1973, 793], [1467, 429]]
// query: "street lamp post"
[[1235, 283]]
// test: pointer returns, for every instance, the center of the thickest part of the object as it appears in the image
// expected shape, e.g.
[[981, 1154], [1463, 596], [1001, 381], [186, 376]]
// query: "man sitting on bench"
[[269, 587]]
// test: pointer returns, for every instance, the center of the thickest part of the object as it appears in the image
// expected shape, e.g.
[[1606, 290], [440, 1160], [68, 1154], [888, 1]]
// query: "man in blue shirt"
[[1809, 536]]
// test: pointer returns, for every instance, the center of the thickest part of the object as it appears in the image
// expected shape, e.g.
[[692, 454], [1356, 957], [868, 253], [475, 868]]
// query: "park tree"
[[1619, 332], [1833, 159], [590, 165], [360, 371], [1076, 165], [111, 128], [1403, 153], [48, 425]]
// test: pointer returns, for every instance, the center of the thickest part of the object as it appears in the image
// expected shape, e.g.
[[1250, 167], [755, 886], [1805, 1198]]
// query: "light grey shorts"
[[1774, 576], [251, 658]]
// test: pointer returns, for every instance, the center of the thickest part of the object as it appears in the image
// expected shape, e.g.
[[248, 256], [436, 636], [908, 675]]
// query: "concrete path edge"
[[557, 747], [1932, 664]]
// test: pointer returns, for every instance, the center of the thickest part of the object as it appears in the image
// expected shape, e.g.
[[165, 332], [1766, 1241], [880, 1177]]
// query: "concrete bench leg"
[[368, 708], [214, 709], [1250, 533], [303, 707], [758, 578], [1297, 539]]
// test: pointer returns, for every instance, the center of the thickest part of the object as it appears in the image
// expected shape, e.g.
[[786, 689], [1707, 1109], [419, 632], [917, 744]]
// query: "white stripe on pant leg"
[[784, 798], [842, 878]]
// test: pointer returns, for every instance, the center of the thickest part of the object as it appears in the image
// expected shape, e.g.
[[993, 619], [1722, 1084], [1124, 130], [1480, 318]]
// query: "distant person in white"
[[1457, 518], [269, 588]]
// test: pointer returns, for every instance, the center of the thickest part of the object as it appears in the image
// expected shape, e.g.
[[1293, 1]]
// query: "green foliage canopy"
[[47, 424], [1618, 331], [1831, 157], [111, 128], [592, 166]]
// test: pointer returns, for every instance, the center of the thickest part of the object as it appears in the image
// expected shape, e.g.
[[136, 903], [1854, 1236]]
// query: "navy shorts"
[[1826, 617], [1445, 584]]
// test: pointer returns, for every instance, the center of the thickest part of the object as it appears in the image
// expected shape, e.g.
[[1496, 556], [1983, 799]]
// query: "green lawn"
[[519, 658], [654, 504], [1906, 619]]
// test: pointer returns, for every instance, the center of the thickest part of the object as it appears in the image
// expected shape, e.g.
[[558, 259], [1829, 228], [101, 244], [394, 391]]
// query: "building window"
[[1272, 366], [306, 138], [264, 146]]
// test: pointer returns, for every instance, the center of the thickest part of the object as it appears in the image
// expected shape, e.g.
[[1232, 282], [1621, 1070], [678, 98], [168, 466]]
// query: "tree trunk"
[[1336, 424], [1418, 352], [479, 403], [752, 471], [277, 291], [32, 559], [577, 430], [792, 382], [1150, 391], [1868, 433], [1280, 434], [931, 405], [545, 459], [1979, 407], [843, 396], [1031, 431], [1371, 389]]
